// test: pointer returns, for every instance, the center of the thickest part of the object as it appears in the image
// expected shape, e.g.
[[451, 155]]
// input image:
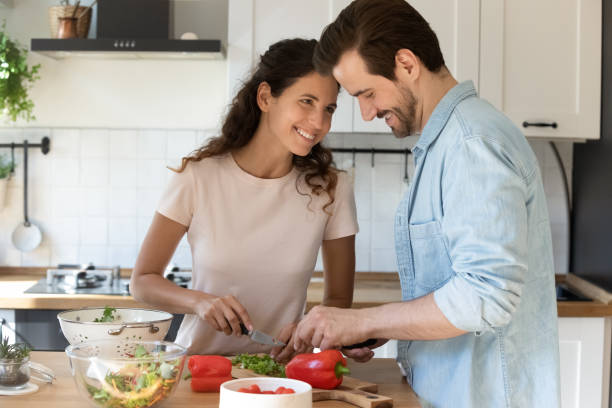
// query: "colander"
[[131, 324]]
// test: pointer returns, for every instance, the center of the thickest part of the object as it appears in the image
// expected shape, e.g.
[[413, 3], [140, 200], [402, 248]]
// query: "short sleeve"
[[177, 201], [343, 221]]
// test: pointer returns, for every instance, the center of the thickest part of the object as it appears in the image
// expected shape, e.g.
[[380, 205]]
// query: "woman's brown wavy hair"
[[280, 66]]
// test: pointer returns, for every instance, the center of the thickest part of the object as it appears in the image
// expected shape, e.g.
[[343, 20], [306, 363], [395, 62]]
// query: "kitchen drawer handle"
[[540, 124], [116, 332]]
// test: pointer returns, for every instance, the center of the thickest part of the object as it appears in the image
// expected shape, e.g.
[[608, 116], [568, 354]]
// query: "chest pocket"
[[432, 265]]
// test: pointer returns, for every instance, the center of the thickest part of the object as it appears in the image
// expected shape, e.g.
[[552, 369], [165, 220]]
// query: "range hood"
[[128, 48]]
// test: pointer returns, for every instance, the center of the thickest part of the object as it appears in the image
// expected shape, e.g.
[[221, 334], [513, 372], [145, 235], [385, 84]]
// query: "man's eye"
[[307, 101], [331, 110], [369, 95]]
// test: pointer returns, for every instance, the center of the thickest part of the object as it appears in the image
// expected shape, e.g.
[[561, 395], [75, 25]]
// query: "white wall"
[[111, 93], [114, 126], [95, 193]]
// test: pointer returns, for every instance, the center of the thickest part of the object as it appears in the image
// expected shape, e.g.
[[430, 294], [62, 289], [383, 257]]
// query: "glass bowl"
[[134, 374]]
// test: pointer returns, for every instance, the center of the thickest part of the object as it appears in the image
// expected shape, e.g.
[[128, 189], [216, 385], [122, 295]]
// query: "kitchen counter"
[[63, 392], [371, 289]]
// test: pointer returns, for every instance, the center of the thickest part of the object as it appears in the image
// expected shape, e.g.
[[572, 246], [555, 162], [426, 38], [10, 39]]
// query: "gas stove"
[[97, 280], [82, 279]]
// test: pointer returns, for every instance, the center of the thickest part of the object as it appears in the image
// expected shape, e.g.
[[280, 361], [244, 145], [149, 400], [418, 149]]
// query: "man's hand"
[[330, 328], [285, 353]]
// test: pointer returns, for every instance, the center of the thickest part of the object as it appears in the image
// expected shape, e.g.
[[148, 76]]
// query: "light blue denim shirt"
[[473, 229]]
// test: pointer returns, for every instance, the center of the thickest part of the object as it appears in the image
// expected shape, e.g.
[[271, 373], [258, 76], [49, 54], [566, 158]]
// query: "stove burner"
[[181, 277], [82, 276]]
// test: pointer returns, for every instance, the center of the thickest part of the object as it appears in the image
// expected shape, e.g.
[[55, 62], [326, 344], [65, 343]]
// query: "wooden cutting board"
[[354, 391]]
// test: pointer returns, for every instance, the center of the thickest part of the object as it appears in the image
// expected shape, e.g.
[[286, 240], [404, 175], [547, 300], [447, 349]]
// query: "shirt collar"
[[442, 112]]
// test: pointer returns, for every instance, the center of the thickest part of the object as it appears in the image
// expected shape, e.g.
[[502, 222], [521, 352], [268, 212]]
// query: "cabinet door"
[[456, 23], [255, 25], [541, 64], [584, 348]]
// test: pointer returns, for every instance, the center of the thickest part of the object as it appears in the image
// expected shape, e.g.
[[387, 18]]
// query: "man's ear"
[[264, 96], [407, 65]]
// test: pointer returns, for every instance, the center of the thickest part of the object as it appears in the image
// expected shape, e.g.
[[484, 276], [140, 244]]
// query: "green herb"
[[15, 79], [5, 167], [107, 316], [260, 364], [13, 352]]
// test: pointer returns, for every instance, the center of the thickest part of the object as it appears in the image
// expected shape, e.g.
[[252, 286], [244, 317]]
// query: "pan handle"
[[116, 332], [25, 184]]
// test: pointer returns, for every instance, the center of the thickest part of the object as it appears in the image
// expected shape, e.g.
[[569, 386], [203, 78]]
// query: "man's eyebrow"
[[310, 96], [356, 94]]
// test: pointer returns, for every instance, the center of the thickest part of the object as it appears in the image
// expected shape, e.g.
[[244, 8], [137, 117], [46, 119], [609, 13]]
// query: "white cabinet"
[[584, 346], [254, 25], [540, 63]]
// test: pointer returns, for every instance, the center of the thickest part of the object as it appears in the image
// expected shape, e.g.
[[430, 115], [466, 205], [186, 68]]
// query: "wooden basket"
[[55, 12]]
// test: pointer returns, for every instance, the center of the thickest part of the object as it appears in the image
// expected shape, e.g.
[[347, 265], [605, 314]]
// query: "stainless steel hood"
[[128, 48]]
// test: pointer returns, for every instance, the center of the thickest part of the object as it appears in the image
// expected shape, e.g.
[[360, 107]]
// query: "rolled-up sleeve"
[[485, 224]]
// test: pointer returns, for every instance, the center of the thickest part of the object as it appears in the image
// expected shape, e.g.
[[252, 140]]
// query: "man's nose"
[[368, 110]]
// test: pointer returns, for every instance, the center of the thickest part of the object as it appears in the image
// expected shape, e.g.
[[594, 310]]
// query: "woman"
[[256, 203]]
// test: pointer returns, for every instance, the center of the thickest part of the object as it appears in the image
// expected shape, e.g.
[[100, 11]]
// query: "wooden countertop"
[[371, 289], [63, 392]]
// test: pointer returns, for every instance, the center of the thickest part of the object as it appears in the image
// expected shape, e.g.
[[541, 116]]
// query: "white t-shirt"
[[254, 238]]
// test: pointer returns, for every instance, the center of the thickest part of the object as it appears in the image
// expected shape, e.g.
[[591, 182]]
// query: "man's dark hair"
[[377, 29]]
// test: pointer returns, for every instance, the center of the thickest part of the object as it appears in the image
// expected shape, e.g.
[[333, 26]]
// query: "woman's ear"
[[407, 65], [264, 96]]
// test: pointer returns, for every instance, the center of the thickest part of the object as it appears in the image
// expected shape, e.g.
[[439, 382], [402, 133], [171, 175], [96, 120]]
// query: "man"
[[478, 322]]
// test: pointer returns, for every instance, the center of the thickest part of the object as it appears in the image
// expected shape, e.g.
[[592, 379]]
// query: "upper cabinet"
[[540, 63], [537, 61]]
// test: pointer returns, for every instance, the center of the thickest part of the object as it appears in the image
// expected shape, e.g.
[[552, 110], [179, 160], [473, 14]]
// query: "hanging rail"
[[373, 152], [45, 145]]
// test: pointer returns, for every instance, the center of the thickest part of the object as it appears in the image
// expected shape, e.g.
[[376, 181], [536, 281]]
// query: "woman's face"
[[300, 116]]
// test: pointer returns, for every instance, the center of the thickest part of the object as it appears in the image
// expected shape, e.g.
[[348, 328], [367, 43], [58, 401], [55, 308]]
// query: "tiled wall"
[[95, 193]]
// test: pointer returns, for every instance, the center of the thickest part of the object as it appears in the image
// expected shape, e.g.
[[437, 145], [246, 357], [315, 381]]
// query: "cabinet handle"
[[540, 124]]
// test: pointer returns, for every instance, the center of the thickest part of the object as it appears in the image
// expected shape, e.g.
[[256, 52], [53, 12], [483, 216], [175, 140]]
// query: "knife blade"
[[261, 337]]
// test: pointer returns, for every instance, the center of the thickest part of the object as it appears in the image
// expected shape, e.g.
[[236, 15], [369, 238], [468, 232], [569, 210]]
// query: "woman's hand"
[[285, 353], [224, 314]]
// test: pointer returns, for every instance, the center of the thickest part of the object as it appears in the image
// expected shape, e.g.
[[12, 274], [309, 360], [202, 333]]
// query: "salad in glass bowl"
[[138, 374]]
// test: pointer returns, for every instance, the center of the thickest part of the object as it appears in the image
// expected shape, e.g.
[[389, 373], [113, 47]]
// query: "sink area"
[[567, 294]]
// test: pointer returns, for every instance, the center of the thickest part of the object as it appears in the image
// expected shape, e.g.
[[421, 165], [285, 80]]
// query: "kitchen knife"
[[367, 343], [261, 337]]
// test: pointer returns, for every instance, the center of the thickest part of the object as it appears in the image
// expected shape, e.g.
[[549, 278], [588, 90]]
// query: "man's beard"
[[406, 114]]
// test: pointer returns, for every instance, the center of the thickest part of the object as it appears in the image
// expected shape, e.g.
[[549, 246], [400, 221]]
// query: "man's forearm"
[[418, 319]]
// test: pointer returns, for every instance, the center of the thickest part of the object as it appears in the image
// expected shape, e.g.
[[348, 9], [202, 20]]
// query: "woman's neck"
[[264, 157]]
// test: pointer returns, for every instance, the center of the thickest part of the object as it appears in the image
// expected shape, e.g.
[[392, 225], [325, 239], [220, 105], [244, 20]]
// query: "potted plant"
[[14, 364], [15, 79], [6, 169]]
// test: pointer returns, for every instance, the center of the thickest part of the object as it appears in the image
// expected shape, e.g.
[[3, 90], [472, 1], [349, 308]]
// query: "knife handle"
[[244, 329], [367, 343]]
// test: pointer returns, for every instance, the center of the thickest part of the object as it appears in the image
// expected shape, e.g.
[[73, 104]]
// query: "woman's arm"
[[148, 284], [339, 271]]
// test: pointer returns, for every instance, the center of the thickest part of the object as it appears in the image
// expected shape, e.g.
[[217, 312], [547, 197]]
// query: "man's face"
[[377, 95]]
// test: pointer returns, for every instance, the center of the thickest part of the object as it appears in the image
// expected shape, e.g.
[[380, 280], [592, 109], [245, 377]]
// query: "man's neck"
[[436, 85]]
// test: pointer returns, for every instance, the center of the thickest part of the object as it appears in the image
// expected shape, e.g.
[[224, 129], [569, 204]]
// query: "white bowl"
[[232, 398], [78, 325]]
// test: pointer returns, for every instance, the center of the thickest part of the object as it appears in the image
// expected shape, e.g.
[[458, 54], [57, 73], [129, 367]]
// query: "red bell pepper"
[[209, 372], [208, 384], [320, 370], [210, 366]]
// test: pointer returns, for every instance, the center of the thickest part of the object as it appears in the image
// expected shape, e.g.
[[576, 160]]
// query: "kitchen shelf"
[[128, 48]]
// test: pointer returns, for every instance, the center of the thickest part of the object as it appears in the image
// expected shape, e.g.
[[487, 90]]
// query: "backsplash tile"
[[95, 194]]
